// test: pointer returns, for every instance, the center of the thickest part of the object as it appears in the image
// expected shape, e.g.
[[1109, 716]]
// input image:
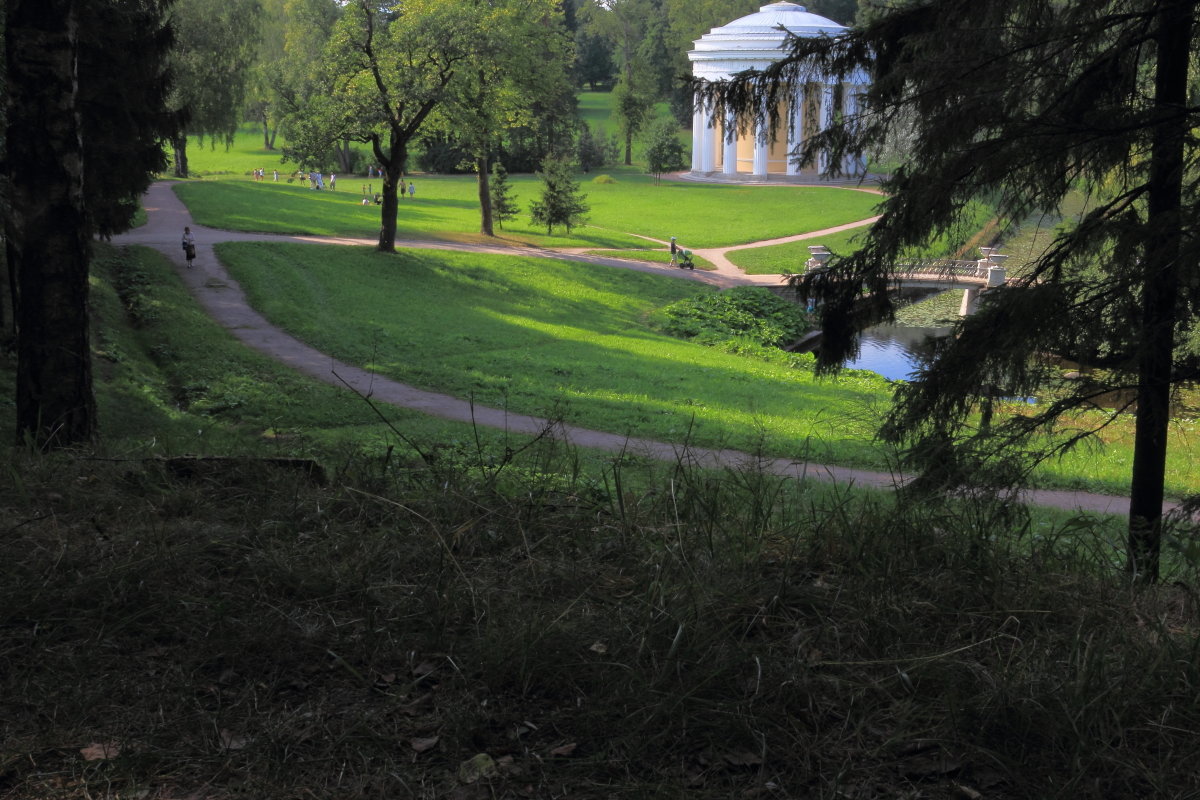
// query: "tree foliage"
[[561, 202], [124, 89], [594, 149], [664, 151], [215, 46], [1023, 102]]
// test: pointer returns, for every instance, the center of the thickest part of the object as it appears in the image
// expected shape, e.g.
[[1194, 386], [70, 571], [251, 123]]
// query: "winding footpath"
[[222, 298]]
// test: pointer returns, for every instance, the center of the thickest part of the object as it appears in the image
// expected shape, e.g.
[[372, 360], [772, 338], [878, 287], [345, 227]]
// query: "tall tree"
[[216, 43], [395, 65], [521, 63], [84, 127], [1024, 101], [263, 101], [46, 234], [124, 88]]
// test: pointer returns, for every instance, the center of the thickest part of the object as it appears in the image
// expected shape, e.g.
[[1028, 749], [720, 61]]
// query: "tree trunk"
[[1161, 277], [267, 137], [393, 163], [47, 235], [344, 156], [629, 149], [179, 146], [485, 197], [274, 132]]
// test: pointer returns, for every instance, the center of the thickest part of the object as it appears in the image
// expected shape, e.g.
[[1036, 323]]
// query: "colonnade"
[[810, 108]]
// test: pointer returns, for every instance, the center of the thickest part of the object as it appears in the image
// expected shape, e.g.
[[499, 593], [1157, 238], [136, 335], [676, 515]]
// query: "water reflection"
[[892, 350]]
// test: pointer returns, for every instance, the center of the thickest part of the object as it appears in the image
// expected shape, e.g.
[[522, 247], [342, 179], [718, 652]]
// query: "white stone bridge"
[[975, 277]]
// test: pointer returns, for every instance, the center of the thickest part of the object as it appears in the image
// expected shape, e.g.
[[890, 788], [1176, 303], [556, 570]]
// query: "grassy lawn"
[[715, 215], [542, 338], [790, 257], [446, 208], [537, 336], [211, 158]]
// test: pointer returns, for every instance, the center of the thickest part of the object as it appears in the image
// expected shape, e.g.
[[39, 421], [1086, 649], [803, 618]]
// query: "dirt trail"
[[221, 296]]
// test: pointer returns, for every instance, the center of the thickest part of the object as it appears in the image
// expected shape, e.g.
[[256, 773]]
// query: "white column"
[[707, 153], [795, 128], [697, 135], [849, 111], [826, 94], [761, 144], [730, 154]]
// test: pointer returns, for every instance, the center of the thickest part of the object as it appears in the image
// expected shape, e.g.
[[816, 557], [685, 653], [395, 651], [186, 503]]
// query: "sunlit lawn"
[[533, 335], [446, 207], [790, 257]]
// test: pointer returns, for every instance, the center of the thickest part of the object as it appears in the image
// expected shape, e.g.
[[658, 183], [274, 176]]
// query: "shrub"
[[604, 179], [745, 313]]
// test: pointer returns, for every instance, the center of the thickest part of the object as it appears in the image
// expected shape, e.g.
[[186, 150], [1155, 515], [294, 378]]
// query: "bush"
[[745, 313], [604, 179]]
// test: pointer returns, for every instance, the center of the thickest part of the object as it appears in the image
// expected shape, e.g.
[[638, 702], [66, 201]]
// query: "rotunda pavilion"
[[754, 42]]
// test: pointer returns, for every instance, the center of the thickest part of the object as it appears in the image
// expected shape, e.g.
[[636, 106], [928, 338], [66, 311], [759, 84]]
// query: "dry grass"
[[246, 633]]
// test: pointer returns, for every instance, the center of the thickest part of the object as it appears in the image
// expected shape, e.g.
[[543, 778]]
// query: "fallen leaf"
[[424, 668], [564, 750], [100, 751], [423, 744], [599, 647], [476, 767]]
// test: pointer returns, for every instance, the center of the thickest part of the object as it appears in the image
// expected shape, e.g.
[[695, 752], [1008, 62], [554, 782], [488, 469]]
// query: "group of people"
[[370, 196], [316, 180], [260, 174]]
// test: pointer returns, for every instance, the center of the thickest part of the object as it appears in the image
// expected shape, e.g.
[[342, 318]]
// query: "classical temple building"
[[754, 42]]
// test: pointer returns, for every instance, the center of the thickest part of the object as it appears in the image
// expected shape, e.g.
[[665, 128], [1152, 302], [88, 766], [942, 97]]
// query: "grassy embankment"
[[464, 626], [534, 335]]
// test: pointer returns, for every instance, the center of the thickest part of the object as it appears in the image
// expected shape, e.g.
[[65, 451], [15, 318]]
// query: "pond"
[[892, 350]]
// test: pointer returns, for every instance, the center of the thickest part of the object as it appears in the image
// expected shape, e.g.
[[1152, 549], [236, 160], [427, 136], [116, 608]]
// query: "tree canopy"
[[1022, 102]]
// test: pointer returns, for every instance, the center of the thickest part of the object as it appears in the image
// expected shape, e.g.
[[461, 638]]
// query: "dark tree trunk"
[[344, 156], [274, 132], [268, 137], [47, 237], [485, 197], [393, 167], [7, 288], [629, 149], [179, 146], [1160, 287]]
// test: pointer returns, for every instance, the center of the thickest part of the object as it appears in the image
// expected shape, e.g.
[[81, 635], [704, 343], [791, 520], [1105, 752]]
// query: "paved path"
[[223, 299]]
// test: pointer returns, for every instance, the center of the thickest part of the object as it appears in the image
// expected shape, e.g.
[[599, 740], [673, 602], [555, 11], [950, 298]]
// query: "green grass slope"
[[699, 215], [535, 335]]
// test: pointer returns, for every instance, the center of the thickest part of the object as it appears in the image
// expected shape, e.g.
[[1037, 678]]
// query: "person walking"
[[189, 246], [333, 182], [412, 191], [674, 251]]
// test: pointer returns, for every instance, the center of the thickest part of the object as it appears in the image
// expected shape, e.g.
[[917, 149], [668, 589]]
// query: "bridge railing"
[[989, 270], [945, 269]]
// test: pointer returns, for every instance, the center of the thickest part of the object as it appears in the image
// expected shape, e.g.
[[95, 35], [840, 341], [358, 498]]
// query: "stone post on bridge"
[[990, 266]]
